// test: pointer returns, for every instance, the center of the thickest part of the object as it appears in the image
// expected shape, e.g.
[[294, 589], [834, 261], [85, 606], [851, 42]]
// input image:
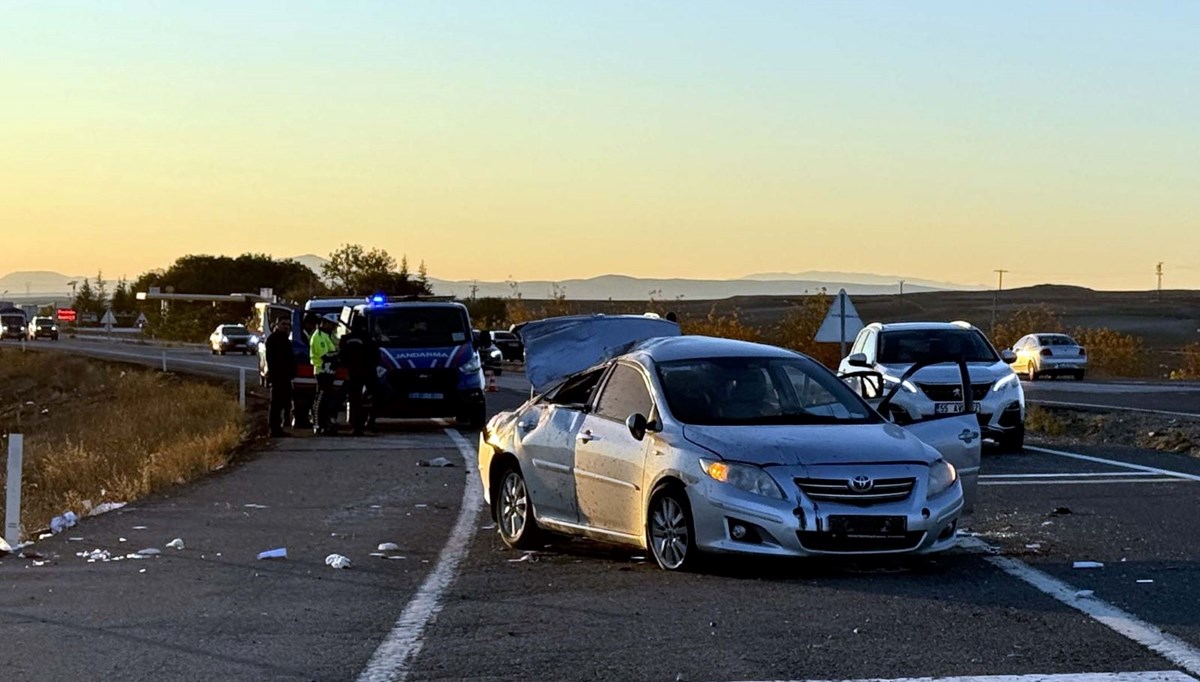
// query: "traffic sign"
[[841, 323], [65, 315], [108, 320]]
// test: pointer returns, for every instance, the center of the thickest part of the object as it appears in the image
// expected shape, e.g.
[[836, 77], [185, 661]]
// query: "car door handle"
[[968, 436], [586, 437]]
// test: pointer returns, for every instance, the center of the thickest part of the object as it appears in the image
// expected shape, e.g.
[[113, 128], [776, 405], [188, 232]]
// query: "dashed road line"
[[393, 659], [1162, 676]]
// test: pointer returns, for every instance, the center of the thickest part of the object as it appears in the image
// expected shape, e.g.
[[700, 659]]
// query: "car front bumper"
[[1000, 412], [800, 527]]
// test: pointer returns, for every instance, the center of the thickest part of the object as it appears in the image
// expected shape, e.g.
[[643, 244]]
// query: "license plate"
[[425, 396], [868, 526], [951, 408]]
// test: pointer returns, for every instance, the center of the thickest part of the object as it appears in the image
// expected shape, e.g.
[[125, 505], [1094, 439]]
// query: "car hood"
[[813, 445], [979, 372], [557, 347]]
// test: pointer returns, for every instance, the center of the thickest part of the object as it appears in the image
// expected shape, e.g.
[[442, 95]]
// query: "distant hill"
[[864, 278], [37, 282]]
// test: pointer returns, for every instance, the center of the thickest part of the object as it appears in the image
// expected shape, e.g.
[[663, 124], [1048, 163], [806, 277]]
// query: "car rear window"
[[1056, 340], [234, 329]]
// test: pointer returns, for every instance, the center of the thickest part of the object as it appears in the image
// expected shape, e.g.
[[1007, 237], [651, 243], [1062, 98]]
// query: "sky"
[[554, 140]]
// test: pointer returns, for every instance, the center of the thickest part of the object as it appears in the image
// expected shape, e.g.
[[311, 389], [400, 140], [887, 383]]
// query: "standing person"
[[322, 351], [360, 355], [281, 369], [302, 401]]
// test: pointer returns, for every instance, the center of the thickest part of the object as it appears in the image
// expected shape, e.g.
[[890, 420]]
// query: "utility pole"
[[1158, 273], [996, 297], [901, 291]]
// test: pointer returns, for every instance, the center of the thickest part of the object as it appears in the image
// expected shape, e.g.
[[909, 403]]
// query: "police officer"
[[281, 369], [322, 350], [359, 354]]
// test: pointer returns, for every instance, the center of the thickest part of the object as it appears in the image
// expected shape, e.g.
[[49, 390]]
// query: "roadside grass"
[[97, 432], [1041, 421]]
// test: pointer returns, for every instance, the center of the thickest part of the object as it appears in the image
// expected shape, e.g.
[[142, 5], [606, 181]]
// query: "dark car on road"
[[12, 323], [510, 345], [43, 328]]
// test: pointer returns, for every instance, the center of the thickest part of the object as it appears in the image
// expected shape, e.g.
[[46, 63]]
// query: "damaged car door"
[[957, 435], [546, 432]]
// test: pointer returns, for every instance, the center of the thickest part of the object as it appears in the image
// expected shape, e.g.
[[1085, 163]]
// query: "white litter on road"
[[1085, 594], [337, 561], [255, 506], [1087, 564], [280, 553], [105, 508], [437, 462], [177, 543], [139, 528], [60, 523], [388, 547], [149, 551], [1145, 582]]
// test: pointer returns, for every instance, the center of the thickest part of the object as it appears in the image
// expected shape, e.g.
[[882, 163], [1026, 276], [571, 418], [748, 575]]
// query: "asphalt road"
[[577, 612], [1172, 397]]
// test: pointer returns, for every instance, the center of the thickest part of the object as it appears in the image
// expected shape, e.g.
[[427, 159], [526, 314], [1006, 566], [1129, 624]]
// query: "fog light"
[[738, 531]]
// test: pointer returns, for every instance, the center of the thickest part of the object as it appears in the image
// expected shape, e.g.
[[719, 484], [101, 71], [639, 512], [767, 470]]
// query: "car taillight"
[[1046, 353], [1082, 351]]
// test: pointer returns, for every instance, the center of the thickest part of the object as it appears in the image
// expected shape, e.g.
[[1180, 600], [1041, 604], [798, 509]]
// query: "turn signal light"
[[719, 471]]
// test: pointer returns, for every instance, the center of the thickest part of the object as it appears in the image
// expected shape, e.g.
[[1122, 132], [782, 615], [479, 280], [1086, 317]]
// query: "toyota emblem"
[[861, 484]]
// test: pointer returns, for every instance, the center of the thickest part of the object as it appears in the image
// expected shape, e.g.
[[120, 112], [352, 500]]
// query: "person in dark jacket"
[[302, 401], [281, 369], [360, 356]]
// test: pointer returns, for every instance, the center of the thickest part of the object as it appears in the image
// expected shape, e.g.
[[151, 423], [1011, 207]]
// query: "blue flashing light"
[[378, 299]]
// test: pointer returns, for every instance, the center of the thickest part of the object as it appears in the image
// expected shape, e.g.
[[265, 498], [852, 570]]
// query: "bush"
[[1027, 320], [728, 326], [1042, 421], [800, 326], [1190, 369], [1110, 352]]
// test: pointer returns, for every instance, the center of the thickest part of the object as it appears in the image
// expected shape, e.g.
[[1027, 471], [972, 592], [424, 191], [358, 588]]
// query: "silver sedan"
[[694, 445], [1042, 355]]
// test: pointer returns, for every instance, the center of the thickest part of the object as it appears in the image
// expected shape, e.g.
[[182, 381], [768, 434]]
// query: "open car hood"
[[558, 347]]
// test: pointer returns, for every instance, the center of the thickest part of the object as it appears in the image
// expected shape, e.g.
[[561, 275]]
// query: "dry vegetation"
[[97, 432], [1146, 431]]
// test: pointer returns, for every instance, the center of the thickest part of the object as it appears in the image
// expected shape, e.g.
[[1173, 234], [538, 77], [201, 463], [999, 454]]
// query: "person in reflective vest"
[[323, 352]]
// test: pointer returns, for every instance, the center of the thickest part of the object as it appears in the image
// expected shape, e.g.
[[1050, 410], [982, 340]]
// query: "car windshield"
[[1056, 340], [234, 330], [503, 336], [420, 327], [45, 323], [920, 345], [749, 390]]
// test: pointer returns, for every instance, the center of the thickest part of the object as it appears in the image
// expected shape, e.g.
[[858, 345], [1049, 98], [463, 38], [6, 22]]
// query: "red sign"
[[66, 315]]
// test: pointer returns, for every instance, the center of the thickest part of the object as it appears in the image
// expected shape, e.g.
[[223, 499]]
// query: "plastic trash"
[[397, 558], [280, 553], [177, 543], [149, 551], [105, 508], [530, 557], [437, 462], [1088, 564], [1145, 582], [94, 555], [389, 547], [337, 561], [60, 523], [139, 528], [5, 548]]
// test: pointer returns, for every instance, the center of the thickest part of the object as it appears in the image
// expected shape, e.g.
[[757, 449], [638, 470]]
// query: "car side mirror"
[[858, 360], [868, 385], [637, 425], [1008, 356]]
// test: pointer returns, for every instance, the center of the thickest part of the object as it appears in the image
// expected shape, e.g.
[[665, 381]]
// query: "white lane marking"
[[1115, 463], [102, 352], [1119, 408], [1110, 481], [1125, 624], [1163, 676], [1055, 475], [394, 657]]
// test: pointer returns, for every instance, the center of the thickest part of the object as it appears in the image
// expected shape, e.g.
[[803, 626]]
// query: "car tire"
[[670, 532], [214, 351], [222, 352], [1032, 371], [1080, 375], [1013, 441], [513, 509]]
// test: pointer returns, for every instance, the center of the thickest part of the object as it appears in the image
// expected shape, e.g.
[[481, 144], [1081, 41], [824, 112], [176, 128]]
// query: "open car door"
[[957, 437]]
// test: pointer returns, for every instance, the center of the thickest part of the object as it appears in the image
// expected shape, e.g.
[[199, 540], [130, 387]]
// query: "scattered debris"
[[530, 557], [397, 558], [379, 555], [177, 543], [255, 506], [1047, 523], [39, 563], [149, 551], [1035, 546], [490, 526], [437, 462], [105, 508], [139, 528], [75, 539], [389, 547], [122, 540], [60, 523], [1085, 594], [142, 570], [280, 553], [1088, 564], [421, 506], [94, 555], [1145, 582], [337, 561], [5, 548]]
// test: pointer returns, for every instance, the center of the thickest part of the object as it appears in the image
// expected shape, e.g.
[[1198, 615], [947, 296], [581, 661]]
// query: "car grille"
[[941, 393], [839, 490], [828, 542]]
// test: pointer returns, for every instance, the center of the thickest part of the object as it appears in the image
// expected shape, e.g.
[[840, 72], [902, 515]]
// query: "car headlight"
[[495, 354], [942, 475], [746, 477], [473, 365], [1010, 380], [890, 382], [224, 339]]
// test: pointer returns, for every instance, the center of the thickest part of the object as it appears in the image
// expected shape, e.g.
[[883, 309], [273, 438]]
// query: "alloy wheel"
[[669, 533], [514, 506]]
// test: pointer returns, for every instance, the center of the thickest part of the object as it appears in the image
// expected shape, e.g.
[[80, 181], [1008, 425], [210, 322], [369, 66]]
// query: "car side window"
[[624, 394], [576, 391], [859, 343], [869, 346]]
